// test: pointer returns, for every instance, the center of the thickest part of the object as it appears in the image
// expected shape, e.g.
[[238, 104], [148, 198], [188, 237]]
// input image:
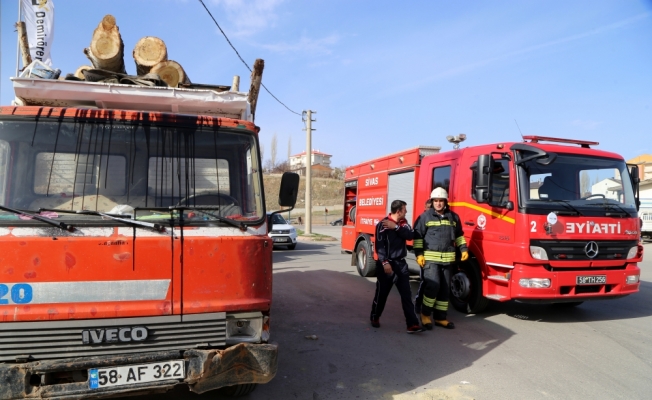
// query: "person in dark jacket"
[[391, 268], [437, 233]]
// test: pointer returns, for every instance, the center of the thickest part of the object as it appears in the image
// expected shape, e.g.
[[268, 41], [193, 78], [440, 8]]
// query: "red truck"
[[135, 253], [539, 225]]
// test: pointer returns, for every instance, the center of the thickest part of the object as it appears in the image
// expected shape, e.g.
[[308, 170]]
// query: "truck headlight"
[[632, 279], [632, 252], [534, 283], [538, 253], [244, 327]]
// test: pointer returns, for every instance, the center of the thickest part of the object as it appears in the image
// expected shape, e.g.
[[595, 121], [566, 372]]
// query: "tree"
[[585, 183], [273, 149]]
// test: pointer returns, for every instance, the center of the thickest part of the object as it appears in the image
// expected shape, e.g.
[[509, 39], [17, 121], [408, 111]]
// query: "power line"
[[241, 59]]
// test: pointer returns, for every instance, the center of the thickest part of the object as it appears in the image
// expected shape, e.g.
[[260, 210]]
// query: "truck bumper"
[[205, 370], [564, 287]]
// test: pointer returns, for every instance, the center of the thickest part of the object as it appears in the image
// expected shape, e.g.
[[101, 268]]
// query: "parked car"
[[337, 222], [282, 233]]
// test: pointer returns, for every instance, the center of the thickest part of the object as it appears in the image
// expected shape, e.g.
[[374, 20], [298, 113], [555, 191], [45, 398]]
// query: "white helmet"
[[439, 193]]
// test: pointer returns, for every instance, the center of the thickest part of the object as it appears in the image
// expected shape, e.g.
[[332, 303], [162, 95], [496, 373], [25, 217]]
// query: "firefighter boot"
[[426, 321], [445, 324]]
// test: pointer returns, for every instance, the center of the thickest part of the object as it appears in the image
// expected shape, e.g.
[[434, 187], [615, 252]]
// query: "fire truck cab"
[[540, 224]]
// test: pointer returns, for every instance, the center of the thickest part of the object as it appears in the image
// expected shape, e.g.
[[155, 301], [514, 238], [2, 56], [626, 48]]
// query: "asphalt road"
[[599, 350]]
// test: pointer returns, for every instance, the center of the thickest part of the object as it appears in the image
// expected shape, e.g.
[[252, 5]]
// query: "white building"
[[611, 188], [298, 161]]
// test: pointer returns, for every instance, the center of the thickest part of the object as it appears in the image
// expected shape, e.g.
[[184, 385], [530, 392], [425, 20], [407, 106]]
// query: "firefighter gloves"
[[421, 260], [465, 256]]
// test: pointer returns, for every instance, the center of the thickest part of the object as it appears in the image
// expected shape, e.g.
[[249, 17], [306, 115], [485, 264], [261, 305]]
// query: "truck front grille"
[[574, 250], [63, 339]]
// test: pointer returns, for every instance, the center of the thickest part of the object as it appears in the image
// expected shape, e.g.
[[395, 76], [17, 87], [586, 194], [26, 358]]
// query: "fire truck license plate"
[[592, 280], [130, 374]]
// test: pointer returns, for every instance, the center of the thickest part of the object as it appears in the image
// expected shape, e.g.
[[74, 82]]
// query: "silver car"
[[282, 233]]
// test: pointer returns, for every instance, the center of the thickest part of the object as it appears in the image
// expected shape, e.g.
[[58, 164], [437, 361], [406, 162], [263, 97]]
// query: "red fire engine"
[[542, 222]]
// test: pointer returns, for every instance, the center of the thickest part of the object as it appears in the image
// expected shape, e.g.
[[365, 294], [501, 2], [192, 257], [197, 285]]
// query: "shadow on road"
[[638, 305]]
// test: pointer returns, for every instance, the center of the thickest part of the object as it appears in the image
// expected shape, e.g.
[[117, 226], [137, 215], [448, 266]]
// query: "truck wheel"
[[237, 390], [364, 259], [466, 289]]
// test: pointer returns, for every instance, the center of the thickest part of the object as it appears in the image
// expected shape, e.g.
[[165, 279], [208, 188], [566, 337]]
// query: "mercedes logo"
[[591, 249]]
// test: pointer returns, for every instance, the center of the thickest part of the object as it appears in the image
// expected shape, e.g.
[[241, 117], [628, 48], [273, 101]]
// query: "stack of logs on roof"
[[150, 54]]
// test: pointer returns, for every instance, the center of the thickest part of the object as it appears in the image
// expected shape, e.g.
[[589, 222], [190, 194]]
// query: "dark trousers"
[[434, 290], [401, 278]]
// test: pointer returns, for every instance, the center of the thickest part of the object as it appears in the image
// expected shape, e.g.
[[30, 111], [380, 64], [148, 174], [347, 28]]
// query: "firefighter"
[[391, 267], [436, 234]]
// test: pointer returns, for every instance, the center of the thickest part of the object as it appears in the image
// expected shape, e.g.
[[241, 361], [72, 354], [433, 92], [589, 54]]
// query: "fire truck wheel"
[[237, 390], [364, 258], [466, 289]]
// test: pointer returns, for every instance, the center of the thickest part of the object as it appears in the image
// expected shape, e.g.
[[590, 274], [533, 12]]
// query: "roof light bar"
[[537, 139]]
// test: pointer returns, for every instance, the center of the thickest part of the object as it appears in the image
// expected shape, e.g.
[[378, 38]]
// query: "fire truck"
[[134, 251], [538, 231]]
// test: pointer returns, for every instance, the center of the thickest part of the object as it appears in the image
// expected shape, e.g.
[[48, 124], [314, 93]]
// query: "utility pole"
[[307, 118]]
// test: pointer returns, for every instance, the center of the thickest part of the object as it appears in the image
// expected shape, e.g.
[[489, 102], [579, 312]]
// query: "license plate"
[[131, 374], [592, 280], [279, 239]]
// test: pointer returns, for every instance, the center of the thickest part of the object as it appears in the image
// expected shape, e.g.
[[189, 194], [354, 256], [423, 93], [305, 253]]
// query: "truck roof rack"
[[582, 143], [195, 101]]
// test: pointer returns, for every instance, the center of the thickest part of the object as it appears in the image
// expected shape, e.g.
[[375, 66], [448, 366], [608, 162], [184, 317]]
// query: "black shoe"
[[375, 323], [445, 324]]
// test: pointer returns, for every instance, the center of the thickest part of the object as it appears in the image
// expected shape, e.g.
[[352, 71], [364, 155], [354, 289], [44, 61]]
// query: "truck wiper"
[[621, 213], [573, 210], [238, 224], [58, 224], [154, 227]]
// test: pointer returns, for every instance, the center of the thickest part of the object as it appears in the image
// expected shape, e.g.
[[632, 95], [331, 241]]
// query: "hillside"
[[325, 191]]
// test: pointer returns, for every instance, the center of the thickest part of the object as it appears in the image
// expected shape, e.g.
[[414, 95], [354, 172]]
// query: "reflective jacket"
[[436, 236]]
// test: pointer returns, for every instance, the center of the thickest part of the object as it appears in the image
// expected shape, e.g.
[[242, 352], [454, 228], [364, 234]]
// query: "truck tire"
[[364, 258], [466, 288], [237, 390]]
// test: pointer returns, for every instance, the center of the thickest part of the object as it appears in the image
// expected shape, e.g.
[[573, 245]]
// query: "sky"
[[384, 76]]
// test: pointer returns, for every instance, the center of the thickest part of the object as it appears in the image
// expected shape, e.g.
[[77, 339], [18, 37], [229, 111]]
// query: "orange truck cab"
[[547, 220], [134, 248]]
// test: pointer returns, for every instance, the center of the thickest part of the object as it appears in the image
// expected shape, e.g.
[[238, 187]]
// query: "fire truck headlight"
[[632, 279], [244, 327], [632, 252], [538, 253], [535, 283]]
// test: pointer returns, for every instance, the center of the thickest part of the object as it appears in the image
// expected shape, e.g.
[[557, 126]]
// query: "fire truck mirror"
[[483, 172], [287, 195]]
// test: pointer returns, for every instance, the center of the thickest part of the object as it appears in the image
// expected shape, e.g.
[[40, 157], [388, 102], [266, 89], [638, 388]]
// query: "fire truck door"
[[494, 222]]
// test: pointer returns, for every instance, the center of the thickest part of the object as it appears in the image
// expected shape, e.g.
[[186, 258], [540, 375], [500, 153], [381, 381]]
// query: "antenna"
[[519, 130]]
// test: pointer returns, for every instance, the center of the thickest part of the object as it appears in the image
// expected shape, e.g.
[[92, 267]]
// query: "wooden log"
[[148, 52], [171, 72], [235, 87], [256, 81], [24, 43], [107, 49], [80, 71]]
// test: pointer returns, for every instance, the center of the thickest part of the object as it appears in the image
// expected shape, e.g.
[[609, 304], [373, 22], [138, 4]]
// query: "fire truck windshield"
[[579, 184], [128, 168]]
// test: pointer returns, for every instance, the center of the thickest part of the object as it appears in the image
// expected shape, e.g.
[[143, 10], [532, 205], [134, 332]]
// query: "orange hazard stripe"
[[483, 210]]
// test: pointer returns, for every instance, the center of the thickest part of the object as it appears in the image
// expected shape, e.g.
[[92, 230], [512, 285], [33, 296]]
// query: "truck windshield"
[[116, 167], [579, 184]]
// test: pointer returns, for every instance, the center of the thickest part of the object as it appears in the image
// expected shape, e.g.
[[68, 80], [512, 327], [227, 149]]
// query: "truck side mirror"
[[287, 195], [482, 174], [636, 180]]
